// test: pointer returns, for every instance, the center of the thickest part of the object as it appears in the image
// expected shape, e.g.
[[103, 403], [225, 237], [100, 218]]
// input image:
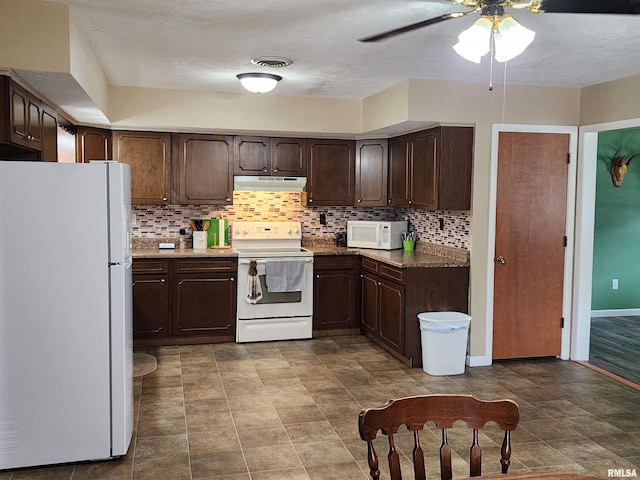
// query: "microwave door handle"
[[378, 228]]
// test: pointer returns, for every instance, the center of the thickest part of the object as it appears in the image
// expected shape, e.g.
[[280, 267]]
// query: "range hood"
[[269, 184]]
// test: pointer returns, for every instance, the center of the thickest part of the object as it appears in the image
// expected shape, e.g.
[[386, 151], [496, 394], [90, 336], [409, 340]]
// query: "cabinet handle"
[[389, 201], [410, 202], [379, 284], [359, 200], [311, 200], [162, 280], [361, 275], [227, 199], [275, 170], [265, 170], [318, 275], [164, 199], [232, 279]]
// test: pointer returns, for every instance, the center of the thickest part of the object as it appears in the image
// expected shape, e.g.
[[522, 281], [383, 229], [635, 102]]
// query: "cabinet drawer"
[[150, 266], [386, 271], [335, 262], [205, 265]]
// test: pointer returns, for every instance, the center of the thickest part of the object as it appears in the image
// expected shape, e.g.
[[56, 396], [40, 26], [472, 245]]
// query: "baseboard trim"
[[621, 312], [478, 361]]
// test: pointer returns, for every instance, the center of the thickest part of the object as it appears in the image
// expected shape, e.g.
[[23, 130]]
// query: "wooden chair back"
[[444, 410]]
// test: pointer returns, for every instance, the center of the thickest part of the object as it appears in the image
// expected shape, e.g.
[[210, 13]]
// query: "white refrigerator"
[[66, 373]]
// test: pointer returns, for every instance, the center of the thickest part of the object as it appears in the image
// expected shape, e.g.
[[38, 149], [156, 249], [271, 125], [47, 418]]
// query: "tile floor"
[[288, 411]]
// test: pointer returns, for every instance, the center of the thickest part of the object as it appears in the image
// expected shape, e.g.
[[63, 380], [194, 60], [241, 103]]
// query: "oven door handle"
[[262, 262]]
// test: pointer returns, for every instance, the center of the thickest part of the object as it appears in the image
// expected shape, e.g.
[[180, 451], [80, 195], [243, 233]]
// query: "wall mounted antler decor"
[[619, 167]]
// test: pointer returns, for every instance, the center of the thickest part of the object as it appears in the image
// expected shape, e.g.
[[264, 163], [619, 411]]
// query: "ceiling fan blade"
[[591, 6], [414, 26]]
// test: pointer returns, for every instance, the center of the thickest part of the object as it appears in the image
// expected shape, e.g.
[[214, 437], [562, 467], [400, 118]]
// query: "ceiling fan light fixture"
[[474, 42], [511, 39], [259, 82]]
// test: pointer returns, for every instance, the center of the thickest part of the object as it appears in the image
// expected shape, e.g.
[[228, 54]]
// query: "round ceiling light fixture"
[[259, 82]]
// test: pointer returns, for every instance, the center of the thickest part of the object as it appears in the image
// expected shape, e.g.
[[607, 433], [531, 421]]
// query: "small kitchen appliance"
[[265, 314], [381, 235], [341, 239]]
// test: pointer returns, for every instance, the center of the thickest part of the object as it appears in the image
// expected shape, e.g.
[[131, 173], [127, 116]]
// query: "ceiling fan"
[[495, 9]]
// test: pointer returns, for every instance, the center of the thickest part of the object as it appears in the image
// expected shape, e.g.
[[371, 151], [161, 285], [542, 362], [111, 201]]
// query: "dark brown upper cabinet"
[[49, 125], [204, 169], [330, 173], [371, 173], [93, 144], [431, 170], [149, 155], [20, 122], [269, 156]]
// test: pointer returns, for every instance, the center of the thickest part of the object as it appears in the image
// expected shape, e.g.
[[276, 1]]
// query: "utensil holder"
[[199, 240], [409, 245]]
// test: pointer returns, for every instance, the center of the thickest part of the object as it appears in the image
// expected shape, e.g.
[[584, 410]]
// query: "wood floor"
[[615, 346]]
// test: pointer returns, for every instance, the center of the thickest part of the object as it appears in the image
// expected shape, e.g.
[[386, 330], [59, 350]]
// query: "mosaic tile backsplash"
[[165, 221]]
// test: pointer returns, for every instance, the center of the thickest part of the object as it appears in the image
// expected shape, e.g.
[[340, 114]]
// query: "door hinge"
[[564, 241], [568, 158], [562, 322]]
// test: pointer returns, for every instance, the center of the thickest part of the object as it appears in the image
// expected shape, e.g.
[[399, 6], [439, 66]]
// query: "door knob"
[[501, 260]]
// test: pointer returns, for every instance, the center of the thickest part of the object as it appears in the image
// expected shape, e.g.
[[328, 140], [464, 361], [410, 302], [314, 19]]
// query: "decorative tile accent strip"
[[165, 221]]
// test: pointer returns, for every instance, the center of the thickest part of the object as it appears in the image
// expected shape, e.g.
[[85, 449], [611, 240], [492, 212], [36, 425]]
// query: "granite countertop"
[[425, 255], [183, 253], [398, 258]]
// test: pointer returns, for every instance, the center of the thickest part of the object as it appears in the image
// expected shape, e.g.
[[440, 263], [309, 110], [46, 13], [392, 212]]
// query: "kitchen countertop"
[[428, 255], [398, 258]]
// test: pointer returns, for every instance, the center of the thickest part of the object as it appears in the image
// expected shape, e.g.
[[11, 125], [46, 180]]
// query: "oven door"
[[278, 304]]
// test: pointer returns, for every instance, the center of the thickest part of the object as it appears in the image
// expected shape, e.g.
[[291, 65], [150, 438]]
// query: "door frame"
[[585, 220], [569, 228]]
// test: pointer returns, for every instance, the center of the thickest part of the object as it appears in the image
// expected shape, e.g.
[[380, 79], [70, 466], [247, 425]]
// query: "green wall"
[[616, 246]]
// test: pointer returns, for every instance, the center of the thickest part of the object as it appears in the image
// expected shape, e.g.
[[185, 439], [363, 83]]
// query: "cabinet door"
[[289, 157], [335, 294], [371, 173], [205, 173], [148, 154], [455, 161], [252, 156], [25, 118], [204, 304], [151, 309], [330, 173], [391, 309], [423, 171], [398, 194], [49, 135], [370, 303], [93, 144]]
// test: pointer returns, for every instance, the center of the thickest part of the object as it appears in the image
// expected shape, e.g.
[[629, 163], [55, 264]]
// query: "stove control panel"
[[267, 230]]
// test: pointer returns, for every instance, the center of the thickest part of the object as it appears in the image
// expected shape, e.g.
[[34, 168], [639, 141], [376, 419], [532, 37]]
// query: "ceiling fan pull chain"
[[491, 43], [504, 92]]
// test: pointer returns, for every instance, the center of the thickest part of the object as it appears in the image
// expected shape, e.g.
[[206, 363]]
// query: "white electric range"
[[265, 315]]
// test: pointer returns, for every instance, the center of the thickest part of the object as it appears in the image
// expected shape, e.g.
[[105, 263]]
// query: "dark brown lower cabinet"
[[151, 307], [335, 295], [193, 302], [392, 298]]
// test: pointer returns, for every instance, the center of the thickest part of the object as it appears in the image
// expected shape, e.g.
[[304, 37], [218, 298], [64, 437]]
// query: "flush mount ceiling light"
[[500, 31], [259, 82]]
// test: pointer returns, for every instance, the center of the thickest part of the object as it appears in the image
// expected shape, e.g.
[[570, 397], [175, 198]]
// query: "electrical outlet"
[[614, 284], [323, 219]]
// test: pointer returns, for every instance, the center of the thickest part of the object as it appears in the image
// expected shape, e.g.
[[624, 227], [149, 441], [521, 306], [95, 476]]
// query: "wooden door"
[[205, 169], [289, 157], [530, 235]]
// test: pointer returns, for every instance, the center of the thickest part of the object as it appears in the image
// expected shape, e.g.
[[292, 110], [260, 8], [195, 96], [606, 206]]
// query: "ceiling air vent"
[[272, 62]]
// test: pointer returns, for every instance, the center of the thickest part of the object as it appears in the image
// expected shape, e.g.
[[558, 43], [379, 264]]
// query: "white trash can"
[[444, 342]]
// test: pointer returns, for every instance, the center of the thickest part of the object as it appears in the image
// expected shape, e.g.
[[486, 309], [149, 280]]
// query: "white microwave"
[[374, 234]]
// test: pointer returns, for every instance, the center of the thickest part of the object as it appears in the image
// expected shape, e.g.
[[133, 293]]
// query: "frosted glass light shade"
[[511, 39], [259, 82], [473, 43]]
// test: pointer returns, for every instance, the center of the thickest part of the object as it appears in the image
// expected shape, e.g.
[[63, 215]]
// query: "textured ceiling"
[[203, 44]]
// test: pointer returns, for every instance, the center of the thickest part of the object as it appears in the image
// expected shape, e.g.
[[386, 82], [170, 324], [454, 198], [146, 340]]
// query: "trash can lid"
[[443, 321]]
